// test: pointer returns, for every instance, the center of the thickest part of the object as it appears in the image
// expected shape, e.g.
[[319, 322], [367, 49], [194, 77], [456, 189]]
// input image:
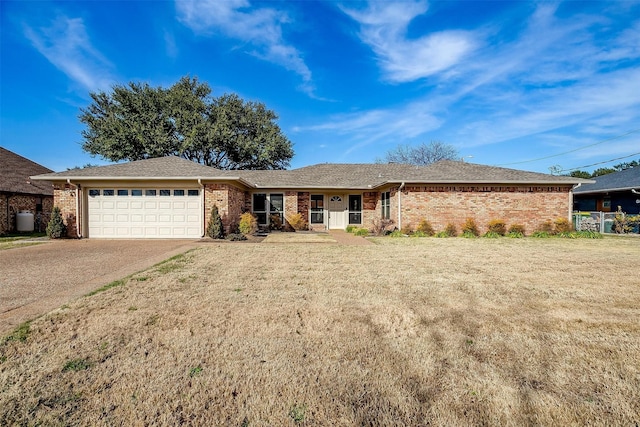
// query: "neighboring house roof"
[[617, 181], [15, 171], [328, 175]]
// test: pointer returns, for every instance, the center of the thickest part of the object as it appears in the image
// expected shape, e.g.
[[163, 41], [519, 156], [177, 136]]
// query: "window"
[[165, 193], [355, 209], [107, 192], [94, 193], [260, 208], [193, 192], [136, 192], [386, 205], [149, 193], [178, 192], [276, 208], [268, 208], [38, 204], [123, 192], [317, 209]]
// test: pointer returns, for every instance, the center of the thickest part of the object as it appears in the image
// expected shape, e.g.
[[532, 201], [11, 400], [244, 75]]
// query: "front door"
[[337, 212]]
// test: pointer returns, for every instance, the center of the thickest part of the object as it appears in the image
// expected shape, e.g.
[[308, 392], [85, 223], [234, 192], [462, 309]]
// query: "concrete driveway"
[[37, 279]]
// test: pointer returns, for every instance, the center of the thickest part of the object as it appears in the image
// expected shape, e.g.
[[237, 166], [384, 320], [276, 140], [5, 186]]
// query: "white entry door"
[[337, 212]]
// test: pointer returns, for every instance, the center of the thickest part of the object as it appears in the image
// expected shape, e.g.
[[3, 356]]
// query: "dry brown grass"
[[405, 332]]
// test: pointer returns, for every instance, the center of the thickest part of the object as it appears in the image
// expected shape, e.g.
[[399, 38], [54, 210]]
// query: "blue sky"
[[504, 82]]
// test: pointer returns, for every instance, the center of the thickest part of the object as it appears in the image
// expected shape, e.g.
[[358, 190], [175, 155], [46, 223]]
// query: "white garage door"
[[147, 213]]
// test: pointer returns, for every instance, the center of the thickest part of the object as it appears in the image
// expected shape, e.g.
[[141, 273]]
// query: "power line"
[[600, 163], [572, 151]]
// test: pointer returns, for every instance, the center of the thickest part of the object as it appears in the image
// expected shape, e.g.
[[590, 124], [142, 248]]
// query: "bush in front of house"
[[297, 222], [56, 228], [470, 229], [424, 227], [248, 223], [215, 229], [236, 237], [497, 226], [449, 231], [516, 231], [545, 227], [562, 225]]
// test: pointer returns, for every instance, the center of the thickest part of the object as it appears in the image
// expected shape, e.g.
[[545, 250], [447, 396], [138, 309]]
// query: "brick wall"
[[24, 202], [64, 196], [290, 208], [526, 205], [229, 199]]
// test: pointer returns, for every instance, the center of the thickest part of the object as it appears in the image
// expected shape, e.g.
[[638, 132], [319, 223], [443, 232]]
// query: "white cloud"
[[383, 26], [67, 46], [557, 84], [261, 28]]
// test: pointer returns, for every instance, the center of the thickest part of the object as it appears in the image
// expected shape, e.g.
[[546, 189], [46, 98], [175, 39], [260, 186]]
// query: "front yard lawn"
[[404, 332]]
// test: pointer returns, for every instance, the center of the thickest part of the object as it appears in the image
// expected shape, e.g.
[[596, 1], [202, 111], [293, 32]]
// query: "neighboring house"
[[19, 193], [170, 197], [610, 191]]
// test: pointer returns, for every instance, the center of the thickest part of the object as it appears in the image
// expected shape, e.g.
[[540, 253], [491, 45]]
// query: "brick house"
[[171, 197], [608, 192], [19, 193]]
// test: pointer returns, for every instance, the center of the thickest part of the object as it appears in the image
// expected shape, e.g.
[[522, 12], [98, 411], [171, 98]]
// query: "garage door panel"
[[148, 214]]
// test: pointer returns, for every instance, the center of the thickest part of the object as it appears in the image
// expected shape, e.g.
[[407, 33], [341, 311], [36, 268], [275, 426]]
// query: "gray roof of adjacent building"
[[326, 175], [15, 172], [617, 181]]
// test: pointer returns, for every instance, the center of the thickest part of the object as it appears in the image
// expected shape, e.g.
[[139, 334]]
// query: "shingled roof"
[[15, 171], [328, 175], [618, 181]]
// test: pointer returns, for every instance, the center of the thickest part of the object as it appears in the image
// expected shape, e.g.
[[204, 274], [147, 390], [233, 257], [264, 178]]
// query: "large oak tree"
[[137, 121]]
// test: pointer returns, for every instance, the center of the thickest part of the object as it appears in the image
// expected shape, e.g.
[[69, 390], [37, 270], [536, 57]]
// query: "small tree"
[[56, 228], [215, 229], [248, 223]]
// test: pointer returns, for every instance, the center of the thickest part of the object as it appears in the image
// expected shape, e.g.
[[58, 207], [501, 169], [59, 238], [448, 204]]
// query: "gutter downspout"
[[202, 200], [78, 216], [634, 191], [575, 187], [400, 205]]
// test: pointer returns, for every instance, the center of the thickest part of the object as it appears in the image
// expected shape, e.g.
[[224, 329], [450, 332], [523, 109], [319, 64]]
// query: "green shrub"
[[441, 234], [468, 235], [397, 233], [589, 234], [562, 225], [515, 234], [215, 229], [419, 234], [361, 232], [470, 229], [517, 228], [492, 235], [407, 229], [541, 234], [56, 228], [425, 227], [236, 237], [351, 228], [248, 223], [497, 226], [297, 222]]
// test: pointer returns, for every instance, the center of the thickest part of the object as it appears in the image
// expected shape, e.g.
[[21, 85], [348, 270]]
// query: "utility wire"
[[572, 151], [599, 163]]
